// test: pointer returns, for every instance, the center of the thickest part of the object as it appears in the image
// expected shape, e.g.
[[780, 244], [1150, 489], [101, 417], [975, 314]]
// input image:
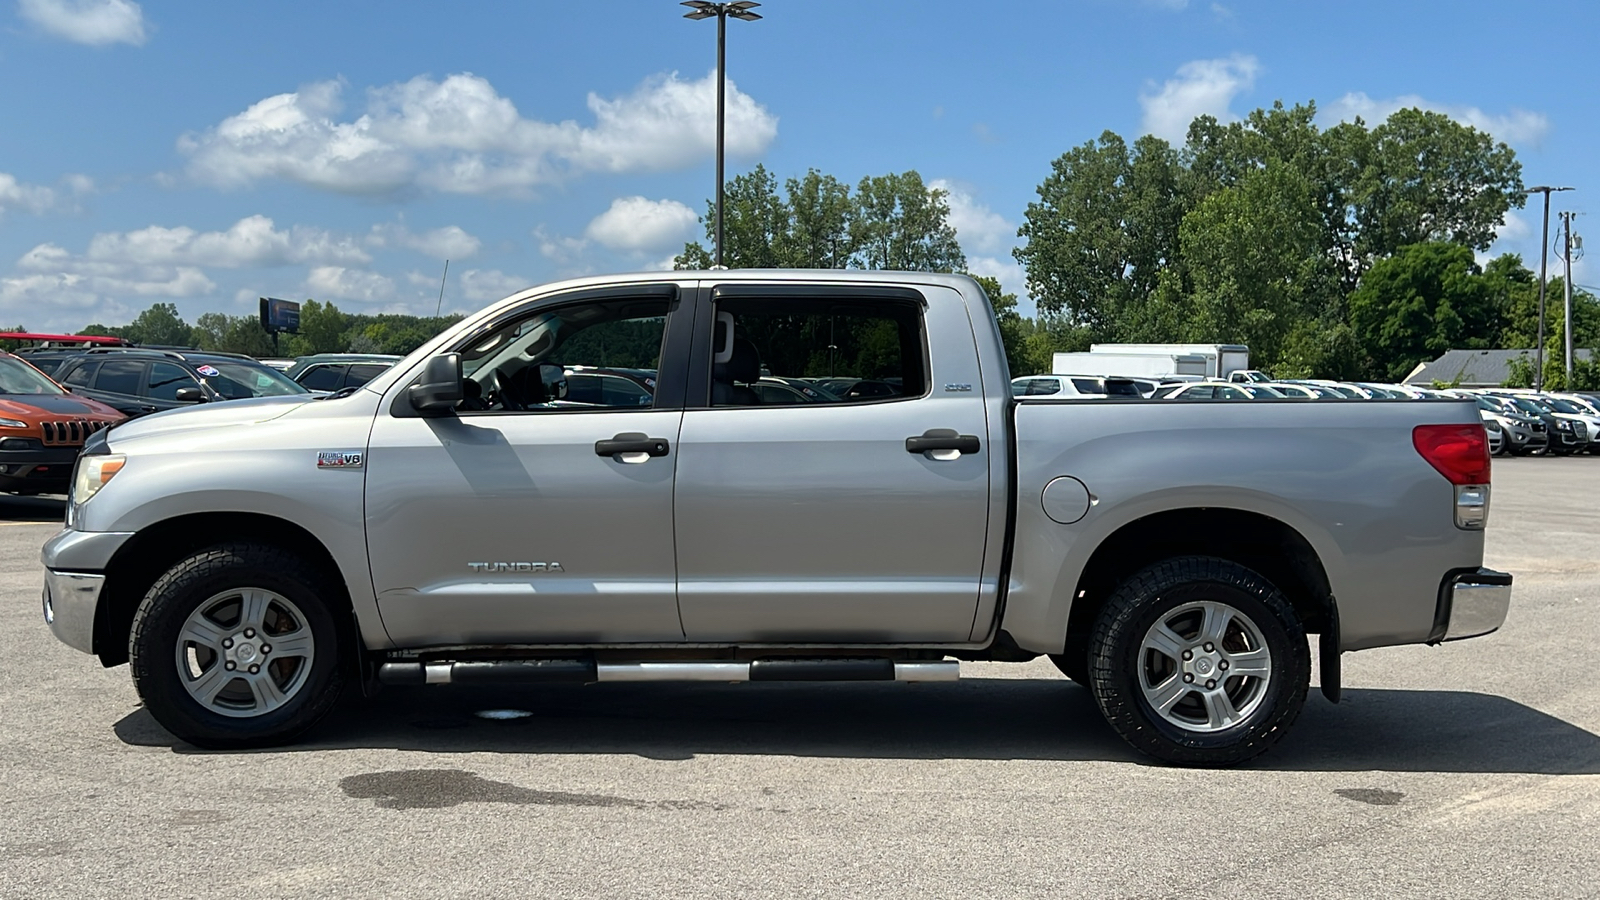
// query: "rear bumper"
[[70, 601], [1472, 603]]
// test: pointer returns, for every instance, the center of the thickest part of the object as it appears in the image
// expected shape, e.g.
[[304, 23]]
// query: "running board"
[[547, 671]]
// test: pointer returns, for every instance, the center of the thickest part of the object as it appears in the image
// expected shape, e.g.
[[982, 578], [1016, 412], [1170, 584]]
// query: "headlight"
[[12, 423], [93, 473]]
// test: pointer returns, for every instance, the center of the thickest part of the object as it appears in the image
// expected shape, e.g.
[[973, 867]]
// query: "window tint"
[[361, 373], [1088, 385], [322, 378], [1121, 387], [120, 376], [165, 380], [585, 356], [47, 366], [83, 375], [1198, 393], [1043, 387], [857, 350]]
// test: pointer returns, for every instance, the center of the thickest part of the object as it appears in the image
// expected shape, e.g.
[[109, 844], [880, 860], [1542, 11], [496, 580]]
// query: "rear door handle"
[[632, 447], [947, 439]]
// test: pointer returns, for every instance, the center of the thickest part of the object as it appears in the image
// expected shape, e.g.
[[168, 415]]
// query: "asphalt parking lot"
[[1468, 770]]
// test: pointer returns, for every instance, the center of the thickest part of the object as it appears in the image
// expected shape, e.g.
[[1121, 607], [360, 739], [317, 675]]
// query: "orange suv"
[[42, 428]]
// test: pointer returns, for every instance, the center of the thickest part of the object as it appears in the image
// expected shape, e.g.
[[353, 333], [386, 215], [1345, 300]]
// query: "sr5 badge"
[[340, 459]]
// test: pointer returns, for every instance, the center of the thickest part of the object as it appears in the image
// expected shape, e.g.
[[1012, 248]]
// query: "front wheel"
[[1199, 661], [236, 646]]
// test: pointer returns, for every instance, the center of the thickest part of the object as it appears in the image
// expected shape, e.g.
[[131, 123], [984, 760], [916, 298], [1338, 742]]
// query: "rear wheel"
[[236, 647], [1200, 661]]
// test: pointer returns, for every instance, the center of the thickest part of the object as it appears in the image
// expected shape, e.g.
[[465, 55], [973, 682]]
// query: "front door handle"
[[935, 440], [632, 447]]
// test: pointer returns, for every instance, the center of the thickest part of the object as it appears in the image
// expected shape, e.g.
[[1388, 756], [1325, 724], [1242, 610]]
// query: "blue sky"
[[210, 153]]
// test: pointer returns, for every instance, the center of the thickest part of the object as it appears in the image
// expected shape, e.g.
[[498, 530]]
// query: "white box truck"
[[1221, 359], [1131, 365]]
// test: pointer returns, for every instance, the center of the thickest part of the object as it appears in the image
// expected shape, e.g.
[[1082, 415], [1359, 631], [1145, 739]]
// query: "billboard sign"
[[280, 315]]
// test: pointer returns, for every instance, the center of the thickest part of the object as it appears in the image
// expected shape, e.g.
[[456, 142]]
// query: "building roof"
[[1473, 368]]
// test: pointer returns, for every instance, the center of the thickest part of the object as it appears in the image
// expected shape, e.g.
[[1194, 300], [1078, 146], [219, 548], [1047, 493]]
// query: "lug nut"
[[251, 632], [1187, 678], [229, 665], [227, 643], [1188, 654], [1221, 665], [1209, 648], [267, 648], [1209, 683], [255, 669]]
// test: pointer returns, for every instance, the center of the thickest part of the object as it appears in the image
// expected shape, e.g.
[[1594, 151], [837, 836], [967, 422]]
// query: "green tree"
[[160, 324], [210, 330], [1415, 305], [820, 213], [901, 223]]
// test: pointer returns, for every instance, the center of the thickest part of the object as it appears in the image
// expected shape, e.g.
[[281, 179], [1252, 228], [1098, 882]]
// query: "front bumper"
[[35, 469], [1472, 603], [70, 601]]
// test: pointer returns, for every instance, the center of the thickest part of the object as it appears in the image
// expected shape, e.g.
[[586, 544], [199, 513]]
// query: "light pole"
[[1544, 251], [704, 9]]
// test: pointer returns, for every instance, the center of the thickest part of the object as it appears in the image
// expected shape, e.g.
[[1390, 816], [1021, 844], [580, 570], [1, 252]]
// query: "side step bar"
[[547, 671]]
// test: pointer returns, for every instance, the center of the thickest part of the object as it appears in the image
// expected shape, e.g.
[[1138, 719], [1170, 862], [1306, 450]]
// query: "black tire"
[[154, 641], [1165, 589]]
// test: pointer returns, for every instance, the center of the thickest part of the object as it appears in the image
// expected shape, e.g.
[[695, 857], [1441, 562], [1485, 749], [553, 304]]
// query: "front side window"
[[83, 375], [166, 379], [322, 378], [568, 358], [858, 351]]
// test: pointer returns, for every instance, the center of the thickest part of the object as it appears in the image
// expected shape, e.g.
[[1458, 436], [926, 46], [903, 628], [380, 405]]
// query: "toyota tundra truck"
[[460, 519]]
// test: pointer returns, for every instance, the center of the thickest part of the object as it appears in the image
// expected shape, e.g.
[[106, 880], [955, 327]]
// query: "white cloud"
[[978, 228], [641, 226], [460, 136], [93, 22], [486, 285], [558, 249], [449, 242], [31, 198], [1519, 126], [251, 241], [1203, 87], [341, 283]]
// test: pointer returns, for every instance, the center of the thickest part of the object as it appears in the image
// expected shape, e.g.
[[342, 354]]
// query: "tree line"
[[1347, 252]]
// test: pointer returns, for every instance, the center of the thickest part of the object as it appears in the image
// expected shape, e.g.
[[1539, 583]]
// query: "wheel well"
[[148, 555], [1261, 543]]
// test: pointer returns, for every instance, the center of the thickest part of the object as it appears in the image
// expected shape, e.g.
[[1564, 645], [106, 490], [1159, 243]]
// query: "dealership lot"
[[1471, 769]]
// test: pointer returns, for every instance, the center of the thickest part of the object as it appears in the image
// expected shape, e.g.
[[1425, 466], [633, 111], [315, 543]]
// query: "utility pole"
[[1566, 284], [1544, 251]]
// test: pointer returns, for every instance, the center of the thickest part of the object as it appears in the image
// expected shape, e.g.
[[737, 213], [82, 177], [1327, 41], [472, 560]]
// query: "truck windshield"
[[17, 377]]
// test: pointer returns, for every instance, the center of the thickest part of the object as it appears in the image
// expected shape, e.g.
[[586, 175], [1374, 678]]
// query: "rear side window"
[[165, 380], [1043, 387], [1119, 387], [1088, 385], [322, 378], [120, 376], [83, 375], [862, 350], [47, 366]]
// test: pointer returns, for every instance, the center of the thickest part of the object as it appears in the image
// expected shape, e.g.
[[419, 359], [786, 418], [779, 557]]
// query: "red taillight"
[[1459, 452]]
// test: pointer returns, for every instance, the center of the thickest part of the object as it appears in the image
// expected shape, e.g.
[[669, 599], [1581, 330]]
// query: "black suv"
[[138, 382]]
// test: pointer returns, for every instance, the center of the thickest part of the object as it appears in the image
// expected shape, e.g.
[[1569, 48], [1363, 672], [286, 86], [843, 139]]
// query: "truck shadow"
[[16, 508], [1372, 730]]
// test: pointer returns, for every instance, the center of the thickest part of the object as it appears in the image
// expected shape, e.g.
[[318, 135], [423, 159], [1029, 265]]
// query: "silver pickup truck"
[[601, 480]]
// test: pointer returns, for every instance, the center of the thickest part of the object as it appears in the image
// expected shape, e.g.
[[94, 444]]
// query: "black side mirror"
[[189, 395], [440, 387]]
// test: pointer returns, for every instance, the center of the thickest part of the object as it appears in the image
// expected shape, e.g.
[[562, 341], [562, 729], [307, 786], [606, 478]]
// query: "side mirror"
[[439, 388], [189, 395]]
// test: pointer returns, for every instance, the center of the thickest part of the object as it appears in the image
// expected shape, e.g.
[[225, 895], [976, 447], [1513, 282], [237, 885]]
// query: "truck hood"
[[208, 415]]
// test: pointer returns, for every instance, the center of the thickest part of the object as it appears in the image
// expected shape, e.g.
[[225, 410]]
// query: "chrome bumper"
[[70, 599], [1474, 604]]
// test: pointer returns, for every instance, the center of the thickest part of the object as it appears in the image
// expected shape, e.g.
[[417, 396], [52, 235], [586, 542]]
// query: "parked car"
[[137, 382], [859, 388], [608, 387], [1066, 387], [1496, 435], [42, 428], [1297, 390], [1524, 434], [1578, 412], [775, 390], [397, 536], [334, 371], [1249, 376], [1568, 434], [1218, 390]]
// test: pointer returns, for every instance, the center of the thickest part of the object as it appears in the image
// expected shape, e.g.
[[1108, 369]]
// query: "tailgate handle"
[[942, 439], [632, 442]]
